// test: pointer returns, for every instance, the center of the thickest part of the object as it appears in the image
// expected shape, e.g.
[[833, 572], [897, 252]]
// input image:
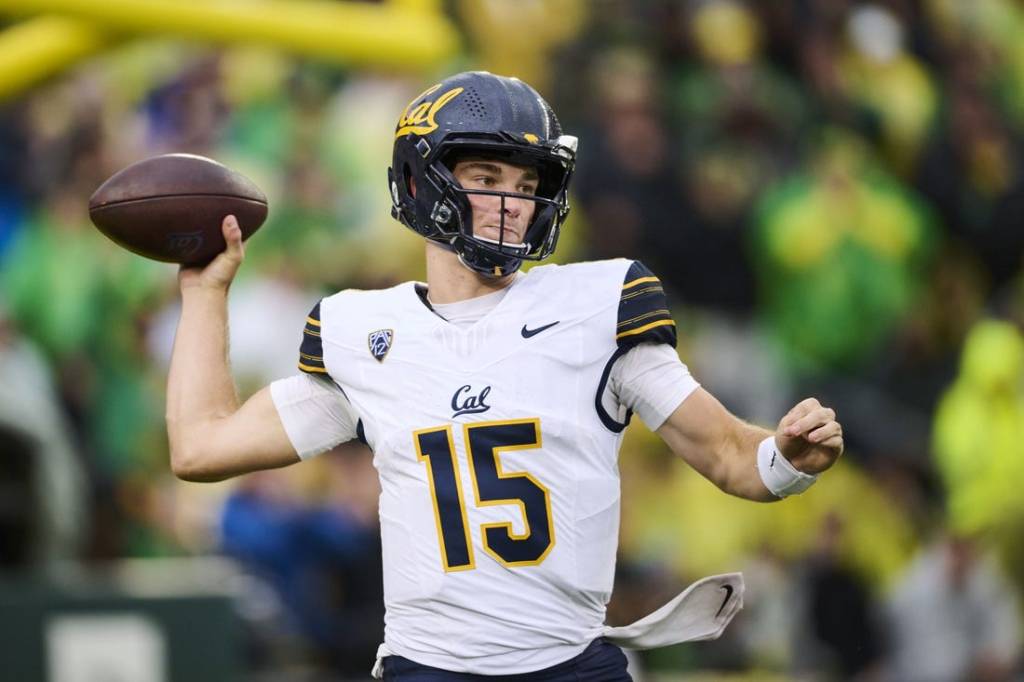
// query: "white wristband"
[[778, 474]]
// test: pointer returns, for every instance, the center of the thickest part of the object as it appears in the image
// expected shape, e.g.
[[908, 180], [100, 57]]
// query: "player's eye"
[[528, 189]]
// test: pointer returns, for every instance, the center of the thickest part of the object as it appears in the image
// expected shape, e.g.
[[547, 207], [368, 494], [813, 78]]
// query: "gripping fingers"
[[815, 418], [823, 434], [799, 411], [233, 236], [218, 273]]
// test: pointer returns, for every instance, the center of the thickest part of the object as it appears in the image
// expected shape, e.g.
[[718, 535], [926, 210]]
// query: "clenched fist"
[[810, 437]]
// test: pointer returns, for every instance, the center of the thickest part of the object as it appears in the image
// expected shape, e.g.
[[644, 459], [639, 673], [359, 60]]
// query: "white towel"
[[700, 612]]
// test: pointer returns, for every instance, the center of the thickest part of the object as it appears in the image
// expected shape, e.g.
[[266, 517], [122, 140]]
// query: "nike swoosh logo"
[[728, 595], [527, 333]]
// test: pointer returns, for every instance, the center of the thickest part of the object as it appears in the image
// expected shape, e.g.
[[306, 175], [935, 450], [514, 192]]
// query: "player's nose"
[[513, 208]]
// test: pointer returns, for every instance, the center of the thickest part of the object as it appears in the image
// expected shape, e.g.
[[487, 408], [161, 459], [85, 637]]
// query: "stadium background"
[[831, 190]]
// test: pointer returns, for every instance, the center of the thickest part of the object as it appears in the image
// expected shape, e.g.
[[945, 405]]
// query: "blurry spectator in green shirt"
[[841, 249]]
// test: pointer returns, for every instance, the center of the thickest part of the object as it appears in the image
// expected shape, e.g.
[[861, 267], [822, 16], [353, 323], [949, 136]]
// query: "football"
[[170, 207]]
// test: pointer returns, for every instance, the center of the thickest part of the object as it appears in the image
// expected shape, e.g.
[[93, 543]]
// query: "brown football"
[[170, 207]]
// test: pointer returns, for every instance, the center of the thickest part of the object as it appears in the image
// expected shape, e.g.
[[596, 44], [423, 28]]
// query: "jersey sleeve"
[[651, 381], [311, 351], [643, 316], [315, 413], [643, 322]]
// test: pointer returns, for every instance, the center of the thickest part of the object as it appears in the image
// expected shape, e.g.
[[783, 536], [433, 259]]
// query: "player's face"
[[490, 174]]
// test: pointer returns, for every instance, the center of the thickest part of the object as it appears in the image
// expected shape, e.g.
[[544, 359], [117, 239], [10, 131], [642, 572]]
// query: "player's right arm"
[[211, 436]]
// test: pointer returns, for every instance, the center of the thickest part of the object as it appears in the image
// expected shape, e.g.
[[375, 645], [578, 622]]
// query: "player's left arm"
[[741, 459], [726, 450]]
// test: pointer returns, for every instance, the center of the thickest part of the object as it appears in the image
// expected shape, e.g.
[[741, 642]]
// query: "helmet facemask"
[[452, 214]]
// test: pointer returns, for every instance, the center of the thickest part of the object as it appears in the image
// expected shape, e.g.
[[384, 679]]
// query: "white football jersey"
[[499, 508]]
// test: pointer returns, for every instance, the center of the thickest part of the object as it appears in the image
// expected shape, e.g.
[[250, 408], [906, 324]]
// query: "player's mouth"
[[494, 233]]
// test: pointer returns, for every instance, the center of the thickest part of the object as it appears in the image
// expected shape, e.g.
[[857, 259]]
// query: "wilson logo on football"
[[420, 120], [184, 244]]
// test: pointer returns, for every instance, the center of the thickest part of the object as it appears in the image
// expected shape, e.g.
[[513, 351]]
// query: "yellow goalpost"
[[403, 35]]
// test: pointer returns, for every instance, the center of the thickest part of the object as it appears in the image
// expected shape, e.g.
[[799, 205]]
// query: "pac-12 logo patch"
[[380, 343]]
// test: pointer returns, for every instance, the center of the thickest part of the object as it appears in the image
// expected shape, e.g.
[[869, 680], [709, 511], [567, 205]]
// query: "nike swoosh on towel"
[[728, 595]]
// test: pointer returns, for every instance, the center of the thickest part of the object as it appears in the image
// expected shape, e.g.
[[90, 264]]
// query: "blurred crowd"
[[831, 190]]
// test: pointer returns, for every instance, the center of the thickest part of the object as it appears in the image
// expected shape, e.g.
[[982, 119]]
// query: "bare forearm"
[[211, 436], [199, 386], [724, 448], [739, 475], [717, 444]]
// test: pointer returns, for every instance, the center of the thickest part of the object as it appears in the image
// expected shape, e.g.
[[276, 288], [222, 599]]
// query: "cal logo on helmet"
[[419, 120]]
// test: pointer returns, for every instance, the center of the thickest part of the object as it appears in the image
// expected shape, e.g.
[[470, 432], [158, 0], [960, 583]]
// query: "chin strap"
[[484, 263], [490, 270]]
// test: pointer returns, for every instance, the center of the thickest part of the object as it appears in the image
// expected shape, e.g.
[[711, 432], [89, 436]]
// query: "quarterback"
[[494, 403]]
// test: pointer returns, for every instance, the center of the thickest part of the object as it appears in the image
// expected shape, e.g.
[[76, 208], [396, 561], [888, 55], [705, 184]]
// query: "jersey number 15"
[[485, 441]]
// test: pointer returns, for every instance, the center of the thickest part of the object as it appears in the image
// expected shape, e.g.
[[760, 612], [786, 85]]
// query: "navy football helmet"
[[477, 113]]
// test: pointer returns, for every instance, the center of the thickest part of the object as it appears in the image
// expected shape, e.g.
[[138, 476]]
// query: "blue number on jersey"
[[485, 442]]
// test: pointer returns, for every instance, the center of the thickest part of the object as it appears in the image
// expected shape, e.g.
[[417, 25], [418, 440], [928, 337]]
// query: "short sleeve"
[[316, 413], [650, 380], [643, 316], [311, 351]]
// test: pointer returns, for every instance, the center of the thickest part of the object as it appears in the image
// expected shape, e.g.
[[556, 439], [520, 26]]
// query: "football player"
[[494, 403]]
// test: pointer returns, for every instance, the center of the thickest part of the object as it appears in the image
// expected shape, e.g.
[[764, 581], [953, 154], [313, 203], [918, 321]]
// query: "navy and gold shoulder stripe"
[[644, 316], [311, 352]]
